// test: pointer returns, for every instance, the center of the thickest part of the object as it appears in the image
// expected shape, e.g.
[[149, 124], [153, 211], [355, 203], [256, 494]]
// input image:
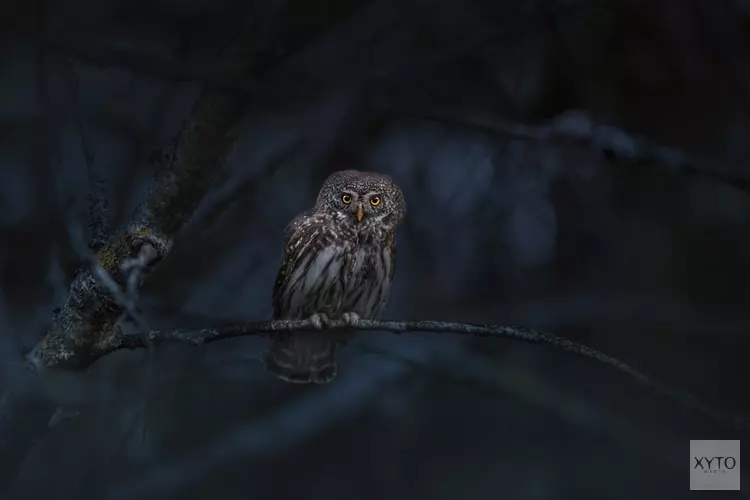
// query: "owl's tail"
[[302, 357]]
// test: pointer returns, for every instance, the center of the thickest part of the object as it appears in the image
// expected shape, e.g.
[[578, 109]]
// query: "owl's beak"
[[360, 212]]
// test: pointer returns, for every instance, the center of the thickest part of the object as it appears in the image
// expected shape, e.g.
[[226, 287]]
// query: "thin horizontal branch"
[[202, 336]]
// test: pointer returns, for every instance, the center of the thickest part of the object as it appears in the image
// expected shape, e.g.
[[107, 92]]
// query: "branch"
[[134, 269], [202, 336], [579, 126], [85, 326], [86, 322]]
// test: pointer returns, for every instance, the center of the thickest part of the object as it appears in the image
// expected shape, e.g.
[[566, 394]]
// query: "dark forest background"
[[580, 167]]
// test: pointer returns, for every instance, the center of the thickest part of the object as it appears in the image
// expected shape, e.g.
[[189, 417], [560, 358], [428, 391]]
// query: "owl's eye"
[[346, 199], [375, 201]]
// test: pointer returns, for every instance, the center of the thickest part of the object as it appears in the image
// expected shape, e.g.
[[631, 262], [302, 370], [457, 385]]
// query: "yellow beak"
[[360, 212]]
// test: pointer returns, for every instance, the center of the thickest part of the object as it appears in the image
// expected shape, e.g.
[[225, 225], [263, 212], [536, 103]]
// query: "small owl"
[[338, 263]]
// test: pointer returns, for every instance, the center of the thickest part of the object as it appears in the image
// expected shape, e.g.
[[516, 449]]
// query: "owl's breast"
[[333, 275], [368, 279], [317, 283], [356, 263]]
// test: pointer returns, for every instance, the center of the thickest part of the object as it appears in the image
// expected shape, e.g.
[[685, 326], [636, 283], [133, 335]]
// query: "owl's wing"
[[298, 236]]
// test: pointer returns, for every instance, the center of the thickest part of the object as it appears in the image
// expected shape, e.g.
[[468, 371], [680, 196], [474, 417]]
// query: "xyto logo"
[[715, 465]]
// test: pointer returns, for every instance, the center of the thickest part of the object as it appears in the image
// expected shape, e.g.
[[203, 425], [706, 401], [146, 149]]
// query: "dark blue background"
[[597, 239]]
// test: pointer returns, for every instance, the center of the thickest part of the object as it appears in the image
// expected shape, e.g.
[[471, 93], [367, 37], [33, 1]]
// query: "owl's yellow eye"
[[346, 199], [375, 201]]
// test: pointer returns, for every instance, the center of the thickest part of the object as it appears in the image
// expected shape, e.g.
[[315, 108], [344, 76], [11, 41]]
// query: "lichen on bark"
[[85, 324]]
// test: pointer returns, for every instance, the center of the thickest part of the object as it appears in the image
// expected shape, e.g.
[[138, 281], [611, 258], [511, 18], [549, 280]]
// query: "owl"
[[339, 260]]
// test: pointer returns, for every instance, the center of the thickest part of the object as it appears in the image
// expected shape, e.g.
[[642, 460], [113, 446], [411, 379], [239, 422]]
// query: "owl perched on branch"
[[339, 260]]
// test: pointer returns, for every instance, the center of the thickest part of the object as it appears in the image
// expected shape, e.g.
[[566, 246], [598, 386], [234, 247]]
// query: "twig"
[[128, 304], [202, 336], [135, 269]]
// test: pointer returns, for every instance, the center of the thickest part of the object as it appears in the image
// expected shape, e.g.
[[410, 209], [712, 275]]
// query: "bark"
[[85, 325]]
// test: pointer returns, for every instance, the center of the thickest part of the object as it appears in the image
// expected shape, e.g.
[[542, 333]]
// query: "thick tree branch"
[[202, 336], [85, 326], [86, 322], [134, 269]]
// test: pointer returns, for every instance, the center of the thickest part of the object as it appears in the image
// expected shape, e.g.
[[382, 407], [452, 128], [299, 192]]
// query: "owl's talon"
[[350, 318], [319, 320]]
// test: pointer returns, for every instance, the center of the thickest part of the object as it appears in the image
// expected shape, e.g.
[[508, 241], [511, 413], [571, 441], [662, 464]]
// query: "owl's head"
[[365, 199]]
